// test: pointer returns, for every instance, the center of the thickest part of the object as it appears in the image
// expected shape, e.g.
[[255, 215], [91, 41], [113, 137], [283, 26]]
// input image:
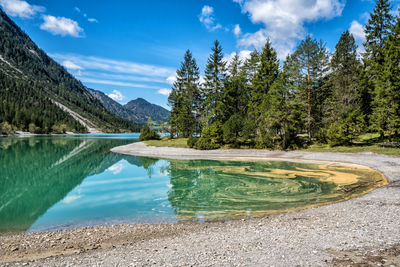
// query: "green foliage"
[[191, 142], [185, 98], [377, 30], [205, 144], [147, 134], [266, 74], [212, 90], [210, 138], [6, 128], [312, 61], [254, 103], [231, 129], [386, 111], [336, 135], [343, 115]]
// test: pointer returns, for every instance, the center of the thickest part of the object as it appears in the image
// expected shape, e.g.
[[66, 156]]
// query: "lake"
[[66, 181]]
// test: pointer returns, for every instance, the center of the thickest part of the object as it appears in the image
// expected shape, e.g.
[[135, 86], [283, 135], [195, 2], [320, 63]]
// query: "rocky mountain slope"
[[31, 83]]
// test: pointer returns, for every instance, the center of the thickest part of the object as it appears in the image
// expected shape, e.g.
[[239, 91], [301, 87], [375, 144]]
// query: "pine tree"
[[343, 111], [386, 112], [265, 76], [250, 66], [280, 112], [312, 58], [376, 31], [213, 86], [235, 100], [185, 97]]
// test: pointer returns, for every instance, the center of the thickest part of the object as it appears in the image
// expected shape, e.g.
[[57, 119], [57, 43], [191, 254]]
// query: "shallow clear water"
[[55, 182]]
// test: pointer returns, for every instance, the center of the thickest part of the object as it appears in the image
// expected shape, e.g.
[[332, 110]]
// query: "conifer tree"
[[235, 100], [343, 111], [213, 86], [312, 58], [185, 97], [265, 76], [280, 111], [386, 112], [376, 31], [250, 66]]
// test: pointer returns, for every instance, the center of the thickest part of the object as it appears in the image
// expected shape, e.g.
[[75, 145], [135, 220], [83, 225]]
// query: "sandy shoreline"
[[360, 230]]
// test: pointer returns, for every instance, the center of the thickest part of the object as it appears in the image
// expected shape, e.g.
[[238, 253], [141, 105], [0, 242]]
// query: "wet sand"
[[363, 230]]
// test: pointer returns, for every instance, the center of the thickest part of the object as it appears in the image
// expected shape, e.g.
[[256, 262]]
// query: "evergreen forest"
[[311, 96]]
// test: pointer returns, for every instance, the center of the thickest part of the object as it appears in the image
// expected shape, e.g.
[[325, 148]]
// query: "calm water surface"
[[56, 182]]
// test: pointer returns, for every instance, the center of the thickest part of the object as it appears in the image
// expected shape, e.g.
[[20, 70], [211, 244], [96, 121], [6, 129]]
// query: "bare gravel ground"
[[363, 231]]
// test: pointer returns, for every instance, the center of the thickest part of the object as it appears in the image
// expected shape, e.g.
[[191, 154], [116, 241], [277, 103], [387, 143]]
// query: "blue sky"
[[130, 49]]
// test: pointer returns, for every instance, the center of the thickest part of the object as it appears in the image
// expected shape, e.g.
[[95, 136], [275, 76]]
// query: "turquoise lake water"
[[57, 182]]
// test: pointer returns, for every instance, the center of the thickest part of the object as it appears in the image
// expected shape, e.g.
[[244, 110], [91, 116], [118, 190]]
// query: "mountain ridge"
[[146, 109], [30, 84], [138, 110]]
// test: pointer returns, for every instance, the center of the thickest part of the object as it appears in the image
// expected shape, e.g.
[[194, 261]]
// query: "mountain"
[[39, 95], [138, 110], [115, 108], [144, 110]]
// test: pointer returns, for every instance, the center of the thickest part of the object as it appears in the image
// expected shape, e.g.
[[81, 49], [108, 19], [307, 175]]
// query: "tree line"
[[311, 96]]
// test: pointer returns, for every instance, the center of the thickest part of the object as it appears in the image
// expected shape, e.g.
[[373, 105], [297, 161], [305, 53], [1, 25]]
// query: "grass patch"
[[354, 149], [369, 144], [165, 142]]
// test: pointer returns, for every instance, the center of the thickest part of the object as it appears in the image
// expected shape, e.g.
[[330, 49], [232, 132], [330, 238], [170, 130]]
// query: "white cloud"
[[71, 198], [202, 80], [208, 19], [164, 91], [284, 20], [18, 8], [117, 83], [240, 2], [115, 66], [237, 31], [93, 20], [358, 31], [243, 55], [171, 79], [359, 35], [61, 26], [123, 77], [77, 9], [117, 96], [116, 168], [71, 65]]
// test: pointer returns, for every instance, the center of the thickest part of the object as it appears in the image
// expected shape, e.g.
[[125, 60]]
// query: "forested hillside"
[[31, 83], [312, 96], [145, 110], [138, 110]]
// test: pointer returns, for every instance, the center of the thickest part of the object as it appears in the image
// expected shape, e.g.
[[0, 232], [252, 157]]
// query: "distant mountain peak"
[[137, 110], [145, 109]]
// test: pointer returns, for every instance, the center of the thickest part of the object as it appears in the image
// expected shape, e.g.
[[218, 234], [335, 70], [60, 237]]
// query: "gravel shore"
[[364, 230]]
